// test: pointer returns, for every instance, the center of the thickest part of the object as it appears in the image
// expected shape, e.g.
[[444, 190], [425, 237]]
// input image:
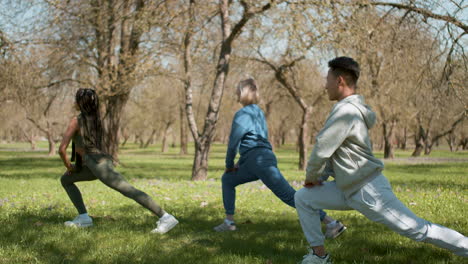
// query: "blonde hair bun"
[[248, 91]]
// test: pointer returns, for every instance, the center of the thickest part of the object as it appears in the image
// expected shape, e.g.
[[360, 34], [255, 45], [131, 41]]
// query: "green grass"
[[33, 206]]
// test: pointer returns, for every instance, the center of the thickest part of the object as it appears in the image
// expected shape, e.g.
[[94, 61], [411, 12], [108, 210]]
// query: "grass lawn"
[[33, 207]]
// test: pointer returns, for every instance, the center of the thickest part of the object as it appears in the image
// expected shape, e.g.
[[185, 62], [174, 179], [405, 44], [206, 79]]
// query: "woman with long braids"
[[93, 163]]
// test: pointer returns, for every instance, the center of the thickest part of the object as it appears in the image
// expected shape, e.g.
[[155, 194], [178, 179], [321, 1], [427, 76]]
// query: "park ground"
[[33, 207]]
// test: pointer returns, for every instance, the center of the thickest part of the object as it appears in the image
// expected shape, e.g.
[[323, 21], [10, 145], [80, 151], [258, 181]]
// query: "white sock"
[[165, 215], [85, 215], [229, 222], [331, 224]]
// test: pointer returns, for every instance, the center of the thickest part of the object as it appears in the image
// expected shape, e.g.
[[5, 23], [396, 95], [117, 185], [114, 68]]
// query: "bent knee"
[[300, 197], [65, 180]]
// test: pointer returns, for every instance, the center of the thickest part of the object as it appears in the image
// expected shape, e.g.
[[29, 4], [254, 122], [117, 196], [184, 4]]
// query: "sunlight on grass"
[[33, 206]]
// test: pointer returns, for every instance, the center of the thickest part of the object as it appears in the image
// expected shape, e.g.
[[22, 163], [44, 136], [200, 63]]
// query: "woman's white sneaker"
[[165, 223], [80, 221], [225, 227]]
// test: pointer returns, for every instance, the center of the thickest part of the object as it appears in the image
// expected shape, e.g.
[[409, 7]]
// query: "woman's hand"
[[236, 168], [70, 169], [227, 170]]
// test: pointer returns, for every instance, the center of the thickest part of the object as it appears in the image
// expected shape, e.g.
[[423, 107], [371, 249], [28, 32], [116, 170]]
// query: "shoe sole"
[[168, 229], [342, 229], [225, 230], [80, 226]]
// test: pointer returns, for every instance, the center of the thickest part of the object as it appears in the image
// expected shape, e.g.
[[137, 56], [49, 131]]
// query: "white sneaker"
[[335, 230], [165, 223], [80, 221], [311, 258], [225, 227]]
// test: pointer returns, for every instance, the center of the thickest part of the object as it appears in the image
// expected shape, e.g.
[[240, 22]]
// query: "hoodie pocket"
[[367, 198]]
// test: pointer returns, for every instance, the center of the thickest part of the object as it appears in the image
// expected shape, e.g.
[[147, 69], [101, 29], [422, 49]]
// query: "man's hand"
[[310, 184]]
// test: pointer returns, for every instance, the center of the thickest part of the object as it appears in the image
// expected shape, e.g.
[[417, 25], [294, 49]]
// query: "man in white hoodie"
[[343, 150]]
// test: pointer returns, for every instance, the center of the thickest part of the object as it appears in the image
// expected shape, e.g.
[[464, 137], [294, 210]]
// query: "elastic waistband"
[[254, 148]]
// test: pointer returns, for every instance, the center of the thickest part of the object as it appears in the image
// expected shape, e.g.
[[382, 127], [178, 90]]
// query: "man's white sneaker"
[[335, 230], [165, 223], [80, 221], [311, 258], [225, 227]]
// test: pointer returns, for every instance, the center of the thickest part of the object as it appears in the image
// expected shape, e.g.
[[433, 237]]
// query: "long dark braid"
[[91, 125]]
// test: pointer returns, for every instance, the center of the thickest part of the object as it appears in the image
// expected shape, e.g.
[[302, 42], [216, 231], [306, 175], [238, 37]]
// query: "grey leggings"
[[98, 166]]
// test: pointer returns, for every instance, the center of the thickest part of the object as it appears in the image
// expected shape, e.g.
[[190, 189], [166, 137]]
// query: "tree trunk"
[[31, 138], [51, 141], [428, 144], [463, 143], [418, 142], [283, 138], [304, 138], [33, 144], [200, 164], [401, 140], [451, 142], [125, 140], [203, 140], [389, 135], [150, 138], [183, 132], [428, 149], [125, 136], [279, 140], [111, 123], [405, 138], [141, 141], [164, 140]]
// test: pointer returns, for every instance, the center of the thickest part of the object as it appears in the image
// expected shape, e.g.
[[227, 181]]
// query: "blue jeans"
[[258, 163]]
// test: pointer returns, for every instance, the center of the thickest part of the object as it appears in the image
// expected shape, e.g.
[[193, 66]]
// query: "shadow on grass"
[[28, 162], [42, 167], [455, 168], [40, 240], [125, 238], [432, 185]]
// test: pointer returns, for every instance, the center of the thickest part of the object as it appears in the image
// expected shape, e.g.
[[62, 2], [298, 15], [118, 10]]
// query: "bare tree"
[[288, 79], [229, 32], [106, 37]]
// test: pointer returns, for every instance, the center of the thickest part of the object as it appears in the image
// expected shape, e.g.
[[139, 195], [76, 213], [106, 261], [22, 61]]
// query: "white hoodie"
[[343, 146]]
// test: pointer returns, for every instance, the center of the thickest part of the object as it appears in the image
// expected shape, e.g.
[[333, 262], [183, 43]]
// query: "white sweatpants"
[[378, 203]]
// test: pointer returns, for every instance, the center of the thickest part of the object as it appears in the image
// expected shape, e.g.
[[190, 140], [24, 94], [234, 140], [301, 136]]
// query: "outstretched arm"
[[71, 130]]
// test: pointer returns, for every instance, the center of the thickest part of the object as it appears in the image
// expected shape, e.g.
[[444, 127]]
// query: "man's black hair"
[[346, 67]]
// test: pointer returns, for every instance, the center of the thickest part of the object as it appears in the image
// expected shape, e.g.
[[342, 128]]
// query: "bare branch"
[[424, 12]]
